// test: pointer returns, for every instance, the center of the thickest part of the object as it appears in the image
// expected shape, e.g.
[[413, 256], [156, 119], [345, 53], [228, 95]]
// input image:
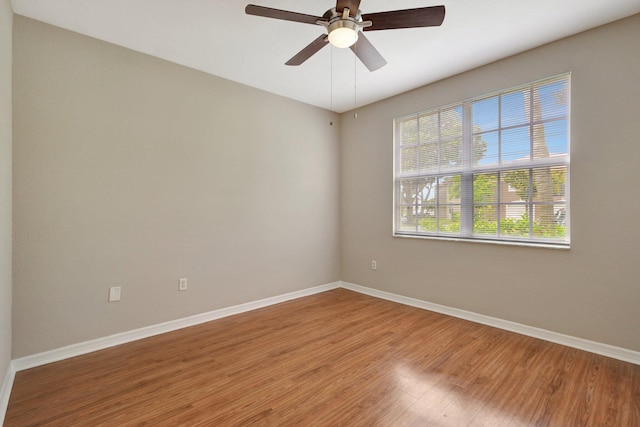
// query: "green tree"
[[519, 181]]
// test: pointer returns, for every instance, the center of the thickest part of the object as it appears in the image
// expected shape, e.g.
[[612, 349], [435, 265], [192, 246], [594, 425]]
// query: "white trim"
[[5, 391], [522, 243], [607, 350], [78, 349]]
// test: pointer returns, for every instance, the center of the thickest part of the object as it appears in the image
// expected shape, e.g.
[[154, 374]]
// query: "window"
[[493, 168]]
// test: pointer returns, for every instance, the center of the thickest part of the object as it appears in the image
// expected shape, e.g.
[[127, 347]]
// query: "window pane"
[[485, 188], [451, 123], [451, 153], [408, 131], [542, 185], [514, 209], [559, 182], [515, 185], [553, 98], [405, 219], [485, 199], [427, 222], [449, 189], [560, 215], [485, 148], [549, 226], [429, 157], [449, 219], [449, 204], [406, 192], [485, 220], [408, 159], [485, 114], [516, 144], [515, 108], [426, 190], [539, 144], [554, 136], [515, 222], [405, 200], [429, 131], [549, 207]]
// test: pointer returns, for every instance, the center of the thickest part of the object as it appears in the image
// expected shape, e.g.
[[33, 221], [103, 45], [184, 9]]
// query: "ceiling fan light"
[[343, 33]]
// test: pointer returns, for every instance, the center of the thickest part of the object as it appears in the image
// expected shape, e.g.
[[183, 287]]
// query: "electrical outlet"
[[374, 265], [114, 293], [182, 286]]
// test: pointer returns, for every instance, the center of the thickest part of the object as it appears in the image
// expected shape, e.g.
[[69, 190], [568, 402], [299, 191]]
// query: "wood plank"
[[336, 358]]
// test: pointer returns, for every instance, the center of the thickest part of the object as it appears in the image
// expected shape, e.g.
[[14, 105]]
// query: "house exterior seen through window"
[[493, 168]]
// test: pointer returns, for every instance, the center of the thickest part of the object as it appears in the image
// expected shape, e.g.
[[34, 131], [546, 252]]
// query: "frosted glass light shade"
[[343, 37]]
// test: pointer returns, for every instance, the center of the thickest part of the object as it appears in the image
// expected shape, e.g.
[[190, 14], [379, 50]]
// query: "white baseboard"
[[73, 350], [136, 334], [543, 334], [5, 391]]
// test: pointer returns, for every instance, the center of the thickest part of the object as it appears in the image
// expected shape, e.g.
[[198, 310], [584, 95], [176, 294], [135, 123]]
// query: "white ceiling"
[[216, 37]]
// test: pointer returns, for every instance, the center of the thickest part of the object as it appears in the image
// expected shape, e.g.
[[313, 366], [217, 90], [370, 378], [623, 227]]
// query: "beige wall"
[[6, 21], [132, 171], [591, 291]]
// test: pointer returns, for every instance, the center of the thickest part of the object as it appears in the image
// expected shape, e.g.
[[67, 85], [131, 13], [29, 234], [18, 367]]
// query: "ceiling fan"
[[345, 24]]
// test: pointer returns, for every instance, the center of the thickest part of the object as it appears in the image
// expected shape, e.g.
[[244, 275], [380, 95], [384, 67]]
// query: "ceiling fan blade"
[[368, 54], [353, 6], [309, 51], [431, 16], [268, 12]]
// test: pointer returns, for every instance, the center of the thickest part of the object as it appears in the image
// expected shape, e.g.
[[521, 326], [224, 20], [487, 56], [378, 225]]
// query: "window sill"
[[561, 246]]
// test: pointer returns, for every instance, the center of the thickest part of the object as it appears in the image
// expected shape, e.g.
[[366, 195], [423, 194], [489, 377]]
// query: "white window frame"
[[467, 170]]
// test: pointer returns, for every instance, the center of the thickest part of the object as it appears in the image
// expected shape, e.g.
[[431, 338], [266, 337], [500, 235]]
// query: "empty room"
[[351, 213]]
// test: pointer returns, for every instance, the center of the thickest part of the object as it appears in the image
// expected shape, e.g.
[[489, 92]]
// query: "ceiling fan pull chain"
[[331, 78], [355, 81]]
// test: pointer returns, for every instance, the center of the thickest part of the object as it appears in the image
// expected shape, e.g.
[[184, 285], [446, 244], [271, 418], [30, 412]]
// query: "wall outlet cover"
[[114, 293]]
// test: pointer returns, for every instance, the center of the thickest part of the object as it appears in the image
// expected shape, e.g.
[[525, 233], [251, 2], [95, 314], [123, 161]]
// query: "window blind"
[[494, 167]]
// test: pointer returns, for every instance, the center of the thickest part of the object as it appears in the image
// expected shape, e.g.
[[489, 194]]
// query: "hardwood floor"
[[333, 359]]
